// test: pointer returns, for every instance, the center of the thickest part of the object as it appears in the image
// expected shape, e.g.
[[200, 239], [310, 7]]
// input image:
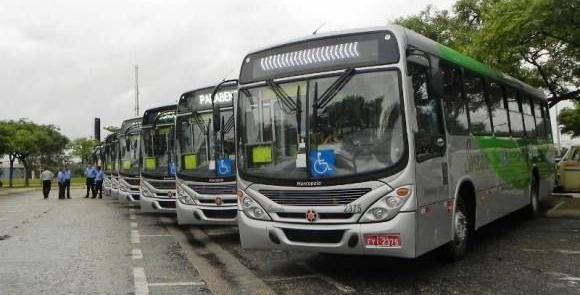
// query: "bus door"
[[430, 162]]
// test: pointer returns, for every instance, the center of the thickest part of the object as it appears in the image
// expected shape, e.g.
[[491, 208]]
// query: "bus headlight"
[[184, 198], [252, 209], [388, 206]]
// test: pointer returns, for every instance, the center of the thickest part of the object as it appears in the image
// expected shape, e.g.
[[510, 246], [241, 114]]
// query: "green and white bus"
[[383, 142], [111, 167], [130, 161], [206, 175], [158, 169]]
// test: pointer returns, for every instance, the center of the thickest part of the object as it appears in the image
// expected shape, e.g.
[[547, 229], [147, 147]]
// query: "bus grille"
[[314, 236], [162, 185], [229, 189], [220, 214], [321, 215], [132, 181], [315, 198]]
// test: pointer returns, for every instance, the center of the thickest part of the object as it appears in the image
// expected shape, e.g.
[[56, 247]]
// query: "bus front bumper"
[[194, 214], [157, 205], [131, 198], [342, 238]]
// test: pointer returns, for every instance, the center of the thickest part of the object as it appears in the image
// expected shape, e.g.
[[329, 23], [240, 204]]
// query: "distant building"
[[5, 169]]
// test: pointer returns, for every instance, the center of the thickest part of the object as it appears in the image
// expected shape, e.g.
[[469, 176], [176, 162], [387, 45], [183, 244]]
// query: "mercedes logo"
[[219, 201]]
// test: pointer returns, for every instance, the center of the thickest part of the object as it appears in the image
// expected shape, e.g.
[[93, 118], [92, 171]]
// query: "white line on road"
[[132, 217], [154, 236], [176, 284], [567, 251], [561, 251], [131, 210], [140, 281], [137, 254], [135, 237], [133, 224], [291, 278]]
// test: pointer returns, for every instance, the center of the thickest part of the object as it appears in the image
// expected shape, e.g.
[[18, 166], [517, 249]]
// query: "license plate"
[[383, 241]]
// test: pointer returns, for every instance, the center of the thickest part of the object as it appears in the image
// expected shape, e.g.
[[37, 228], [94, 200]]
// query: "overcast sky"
[[66, 62]]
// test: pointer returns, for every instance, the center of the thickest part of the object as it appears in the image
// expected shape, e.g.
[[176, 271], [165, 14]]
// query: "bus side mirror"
[[217, 119]]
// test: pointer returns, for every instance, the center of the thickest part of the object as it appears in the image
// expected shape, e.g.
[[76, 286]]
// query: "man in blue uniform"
[[60, 179], [67, 177], [90, 174], [100, 175]]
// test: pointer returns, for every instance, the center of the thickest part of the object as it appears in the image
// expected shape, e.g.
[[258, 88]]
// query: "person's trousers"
[[98, 189], [46, 188], [67, 187], [61, 190], [90, 182]]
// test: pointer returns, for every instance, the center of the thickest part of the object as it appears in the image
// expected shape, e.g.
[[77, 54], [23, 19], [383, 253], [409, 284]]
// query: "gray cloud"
[[66, 62]]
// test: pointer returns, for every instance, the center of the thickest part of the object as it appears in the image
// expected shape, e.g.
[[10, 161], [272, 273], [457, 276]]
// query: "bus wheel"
[[456, 248], [534, 207]]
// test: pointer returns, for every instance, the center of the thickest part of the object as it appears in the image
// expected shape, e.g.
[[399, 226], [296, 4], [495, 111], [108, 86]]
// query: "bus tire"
[[456, 249], [534, 206]]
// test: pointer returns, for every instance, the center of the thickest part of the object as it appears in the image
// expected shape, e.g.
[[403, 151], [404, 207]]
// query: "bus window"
[[498, 110], [478, 110], [455, 113], [540, 121], [428, 111], [529, 122], [515, 115], [548, 123]]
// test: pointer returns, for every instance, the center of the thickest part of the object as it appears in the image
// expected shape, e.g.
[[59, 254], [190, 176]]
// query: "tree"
[[83, 148], [26, 140], [570, 119], [536, 41]]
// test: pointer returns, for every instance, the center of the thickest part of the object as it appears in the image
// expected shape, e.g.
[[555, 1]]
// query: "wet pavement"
[[86, 246]]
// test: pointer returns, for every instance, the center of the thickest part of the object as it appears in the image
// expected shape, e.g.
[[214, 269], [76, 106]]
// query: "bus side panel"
[[433, 226], [480, 159]]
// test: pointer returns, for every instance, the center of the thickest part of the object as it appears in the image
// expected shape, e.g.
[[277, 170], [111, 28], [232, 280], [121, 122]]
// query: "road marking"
[[291, 278], [132, 217], [154, 236], [561, 251], [533, 250], [137, 254], [176, 284], [140, 281], [133, 224], [555, 208], [238, 277], [131, 210], [135, 237], [342, 287]]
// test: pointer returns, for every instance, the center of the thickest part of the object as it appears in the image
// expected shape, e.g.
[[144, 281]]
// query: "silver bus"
[[383, 142], [158, 168], [110, 151], [206, 179], [130, 161]]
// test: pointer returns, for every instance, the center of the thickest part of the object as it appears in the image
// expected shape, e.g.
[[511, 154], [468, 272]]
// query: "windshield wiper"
[[333, 90], [287, 104]]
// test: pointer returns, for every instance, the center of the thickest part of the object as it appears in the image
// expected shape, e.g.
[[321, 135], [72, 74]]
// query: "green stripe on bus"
[[466, 61]]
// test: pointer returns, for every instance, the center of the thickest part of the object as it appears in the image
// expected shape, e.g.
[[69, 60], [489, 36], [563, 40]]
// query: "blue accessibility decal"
[[322, 163], [224, 167]]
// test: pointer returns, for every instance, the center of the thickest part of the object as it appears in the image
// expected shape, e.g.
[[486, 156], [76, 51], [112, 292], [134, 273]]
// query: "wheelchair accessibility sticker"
[[322, 163], [225, 167]]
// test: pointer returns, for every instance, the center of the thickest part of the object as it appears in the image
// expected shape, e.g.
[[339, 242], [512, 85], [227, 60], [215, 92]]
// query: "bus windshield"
[[129, 153], [199, 145], [322, 128], [157, 149]]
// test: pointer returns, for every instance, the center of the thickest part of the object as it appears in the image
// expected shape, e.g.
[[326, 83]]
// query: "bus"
[[206, 179], [130, 161], [98, 155], [383, 142], [158, 169], [110, 152]]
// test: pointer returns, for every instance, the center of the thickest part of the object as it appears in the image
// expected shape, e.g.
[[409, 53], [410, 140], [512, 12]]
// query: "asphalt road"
[[86, 246]]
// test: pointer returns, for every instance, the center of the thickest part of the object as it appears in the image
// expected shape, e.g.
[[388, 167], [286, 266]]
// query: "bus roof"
[[151, 114], [410, 37]]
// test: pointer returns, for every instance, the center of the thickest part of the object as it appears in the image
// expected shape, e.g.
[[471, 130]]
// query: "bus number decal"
[[353, 208]]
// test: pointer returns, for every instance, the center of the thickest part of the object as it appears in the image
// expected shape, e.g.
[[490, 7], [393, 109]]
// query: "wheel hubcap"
[[460, 227]]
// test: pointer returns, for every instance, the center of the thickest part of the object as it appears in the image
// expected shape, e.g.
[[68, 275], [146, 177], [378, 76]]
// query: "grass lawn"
[[19, 182]]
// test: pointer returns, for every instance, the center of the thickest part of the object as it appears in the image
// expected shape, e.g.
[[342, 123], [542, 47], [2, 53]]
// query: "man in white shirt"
[[46, 176]]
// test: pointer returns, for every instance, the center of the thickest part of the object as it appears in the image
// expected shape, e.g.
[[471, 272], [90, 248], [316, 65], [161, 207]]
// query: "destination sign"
[[200, 100], [324, 54]]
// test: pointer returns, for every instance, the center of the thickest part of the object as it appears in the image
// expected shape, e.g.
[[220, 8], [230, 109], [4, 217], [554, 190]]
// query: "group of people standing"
[[94, 181]]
